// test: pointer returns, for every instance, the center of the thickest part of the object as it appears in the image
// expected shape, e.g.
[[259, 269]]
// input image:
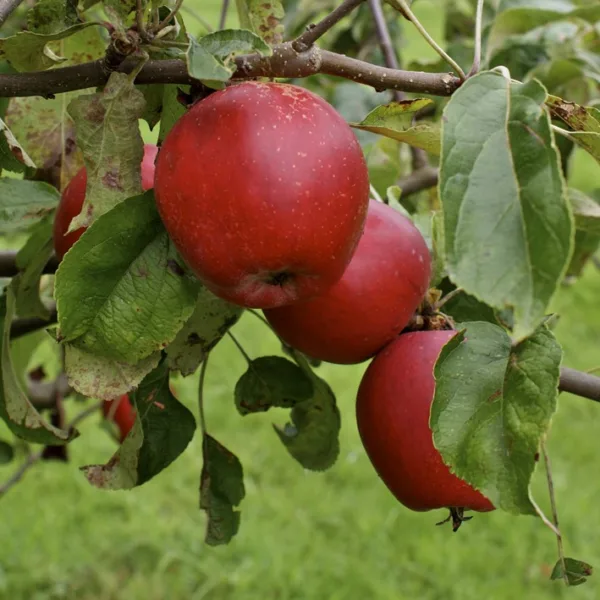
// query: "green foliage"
[[163, 429], [574, 571], [23, 203], [263, 18]]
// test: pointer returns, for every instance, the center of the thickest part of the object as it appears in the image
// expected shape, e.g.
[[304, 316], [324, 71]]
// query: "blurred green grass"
[[339, 535]]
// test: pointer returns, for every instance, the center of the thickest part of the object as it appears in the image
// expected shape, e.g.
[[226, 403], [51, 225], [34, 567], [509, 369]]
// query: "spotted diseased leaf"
[[23, 203], [28, 51], [12, 155], [52, 16], [583, 120], [162, 431], [221, 490], [265, 18], [312, 436], [109, 137], [272, 381], [576, 572], [128, 298], [31, 260], [103, 378], [492, 405], [395, 120], [16, 410], [210, 321], [43, 127], [508, 227]]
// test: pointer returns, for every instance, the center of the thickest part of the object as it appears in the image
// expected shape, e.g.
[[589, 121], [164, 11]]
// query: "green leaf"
[[122, 291], [210, 321], [507, 224], [222, 44], [12, 156], [395, 120], [272, 381], [103, 378], [172, 109], [576, 571], [31, 260], [52, 16], [23, 203], [109, 136], [221, 489], [28, 51], [16, 409], [492, 405], [163, 430], [202, 65], [263, 18], [519, 16], [153, 95], [586, 211], [312, 437], [586, 245]]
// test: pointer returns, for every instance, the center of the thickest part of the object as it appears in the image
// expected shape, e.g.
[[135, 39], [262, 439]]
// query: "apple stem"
[[240, 347], [448, 297], [201, 415], [478, 27], [559, 541], [413, 19]]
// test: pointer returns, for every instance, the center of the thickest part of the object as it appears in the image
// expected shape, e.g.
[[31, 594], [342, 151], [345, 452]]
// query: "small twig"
[[314, 32], [260, 318], [139, 19], [564, 133], [240, 347], [478, 27], [6, 9], [8, 263], [547, 522], [34, 457], [413, 19], [421, 179], [448, 297], [201, 415], [21, 327], [170, 16], [223, 18], [559, 542]]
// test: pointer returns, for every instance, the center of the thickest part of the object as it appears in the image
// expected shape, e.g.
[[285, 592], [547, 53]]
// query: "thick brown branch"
[[314, 32], [579, 383], [285, 62]]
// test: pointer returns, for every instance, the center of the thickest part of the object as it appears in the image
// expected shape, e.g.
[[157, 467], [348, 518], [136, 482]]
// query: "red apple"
[[72, 198], [392, 410], [264, 189], [123, 414], [372, 302]]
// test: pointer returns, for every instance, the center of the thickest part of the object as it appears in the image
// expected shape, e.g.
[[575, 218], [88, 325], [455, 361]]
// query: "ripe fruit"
[[372, 302], [263, 188], [73, 196], [123, 414], [392, 410]]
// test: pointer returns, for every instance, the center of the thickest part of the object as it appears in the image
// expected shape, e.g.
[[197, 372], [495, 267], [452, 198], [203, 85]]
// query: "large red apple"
[[392, 410], [372, 302], [264, 189], [72, 198], [122, 413]]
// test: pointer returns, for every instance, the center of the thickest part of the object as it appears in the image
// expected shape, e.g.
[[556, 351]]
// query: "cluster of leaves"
[[503, 226]]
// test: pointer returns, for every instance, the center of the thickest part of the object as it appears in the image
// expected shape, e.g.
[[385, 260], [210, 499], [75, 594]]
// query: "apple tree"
[[361, 205]]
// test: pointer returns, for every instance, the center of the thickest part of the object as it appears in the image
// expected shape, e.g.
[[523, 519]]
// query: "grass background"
[[331, 536]]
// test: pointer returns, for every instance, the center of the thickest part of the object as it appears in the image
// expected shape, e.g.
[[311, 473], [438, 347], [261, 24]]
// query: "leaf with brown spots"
[[263, 17], [162, 431], [109, 136]]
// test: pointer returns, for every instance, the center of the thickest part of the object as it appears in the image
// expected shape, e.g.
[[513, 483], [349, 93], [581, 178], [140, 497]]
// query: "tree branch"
[[223, 17], [285, 63], [6, 9], [8, 264], [21, 327], [579, 383], [421, 179], [314, 32]]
